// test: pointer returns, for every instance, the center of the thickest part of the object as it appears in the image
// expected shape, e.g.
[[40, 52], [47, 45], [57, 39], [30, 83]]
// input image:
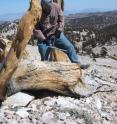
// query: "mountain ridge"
[[68, 13]]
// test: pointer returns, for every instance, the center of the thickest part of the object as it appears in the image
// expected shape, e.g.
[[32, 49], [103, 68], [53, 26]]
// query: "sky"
[[19, 6], [90, 4]]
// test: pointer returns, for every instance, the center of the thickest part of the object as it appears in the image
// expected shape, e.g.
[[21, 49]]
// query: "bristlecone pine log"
[[23, 36], [5, 46], [60, 77], [65, 77], [33, 74]]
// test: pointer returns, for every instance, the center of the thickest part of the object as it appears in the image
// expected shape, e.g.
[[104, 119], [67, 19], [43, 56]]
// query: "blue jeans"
[[61, 43]]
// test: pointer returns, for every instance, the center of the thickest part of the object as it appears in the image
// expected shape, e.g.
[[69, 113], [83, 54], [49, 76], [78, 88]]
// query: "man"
[[52, 24]]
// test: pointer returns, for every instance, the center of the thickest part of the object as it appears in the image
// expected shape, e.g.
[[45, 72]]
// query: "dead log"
[[60, 77], [57, 55], [23, 36], [4, 50]]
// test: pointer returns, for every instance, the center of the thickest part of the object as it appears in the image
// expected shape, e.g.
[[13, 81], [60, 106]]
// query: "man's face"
[[46, 6]]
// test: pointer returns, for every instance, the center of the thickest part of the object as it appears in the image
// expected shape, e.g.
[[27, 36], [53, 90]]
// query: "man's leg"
[[44, 50], [64, 43]]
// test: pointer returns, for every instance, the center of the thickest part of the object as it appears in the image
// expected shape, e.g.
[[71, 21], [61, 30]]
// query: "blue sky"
[[89, 4], [18, 6]]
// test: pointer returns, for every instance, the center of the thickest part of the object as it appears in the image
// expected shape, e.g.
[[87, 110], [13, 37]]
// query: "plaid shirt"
[[50, 23]]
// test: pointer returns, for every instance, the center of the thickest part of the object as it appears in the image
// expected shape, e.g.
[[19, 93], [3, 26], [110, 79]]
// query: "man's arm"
[[60, 20], [60, 27], [39, 35]]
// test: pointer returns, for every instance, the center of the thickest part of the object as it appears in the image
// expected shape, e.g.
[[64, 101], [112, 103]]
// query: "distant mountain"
[[92, 29], [67, 12], [89, 10], [10, 16], [87, 14], [76, 13], [96, 20], [8, 29], [92, 10], [1, 22]]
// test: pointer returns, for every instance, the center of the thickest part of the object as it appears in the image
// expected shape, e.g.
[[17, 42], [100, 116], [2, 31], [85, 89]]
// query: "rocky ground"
[[99, 108]]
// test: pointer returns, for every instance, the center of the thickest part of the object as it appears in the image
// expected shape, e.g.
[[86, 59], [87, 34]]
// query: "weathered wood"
[[59, 56], [55, 76], [23, 36], [43, 69], [7, 45]]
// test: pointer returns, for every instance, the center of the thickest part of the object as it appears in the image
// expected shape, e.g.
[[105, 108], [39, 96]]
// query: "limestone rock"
[[19, 99]]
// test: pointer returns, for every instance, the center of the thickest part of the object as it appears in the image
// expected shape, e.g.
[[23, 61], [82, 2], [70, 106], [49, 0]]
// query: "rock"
[[63, 103], [71, 122], [48, 118], [62, 116], [22, 113], [12, 121], [19, 99], [1, 115], [88, 101], [114, 120], [98, 104], [34, 107], [83, 90]]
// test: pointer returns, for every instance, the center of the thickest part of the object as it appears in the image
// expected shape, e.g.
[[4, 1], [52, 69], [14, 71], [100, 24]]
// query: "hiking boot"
[[84, 66]]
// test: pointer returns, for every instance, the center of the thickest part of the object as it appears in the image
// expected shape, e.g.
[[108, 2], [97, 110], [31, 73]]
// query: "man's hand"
[[39, 35]]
